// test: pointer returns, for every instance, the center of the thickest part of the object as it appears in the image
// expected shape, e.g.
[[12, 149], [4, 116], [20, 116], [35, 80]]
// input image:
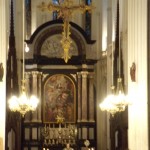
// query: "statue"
[[1, 72], [68, 147], [132, 72]]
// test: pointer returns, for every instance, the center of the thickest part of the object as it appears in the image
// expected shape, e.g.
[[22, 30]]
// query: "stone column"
[[1, 143], [79, 97], [28, 92], [34, 92], [84, 96], [137, 52], [39, 95], [3, 58], [91, 106]]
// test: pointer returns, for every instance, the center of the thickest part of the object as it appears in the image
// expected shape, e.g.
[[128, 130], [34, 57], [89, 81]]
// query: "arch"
[[45, 41]]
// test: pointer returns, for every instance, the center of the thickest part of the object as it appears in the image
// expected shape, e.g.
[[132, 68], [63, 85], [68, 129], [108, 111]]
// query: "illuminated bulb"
[[108, 105], [23, 104], [120, 99], [26, 48]]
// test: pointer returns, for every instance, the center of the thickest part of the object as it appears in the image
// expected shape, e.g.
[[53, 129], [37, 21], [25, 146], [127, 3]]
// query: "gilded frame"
[[59, 93]]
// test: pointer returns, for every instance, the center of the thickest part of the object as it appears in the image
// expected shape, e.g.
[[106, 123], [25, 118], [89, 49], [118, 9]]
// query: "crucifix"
[[65, 10]]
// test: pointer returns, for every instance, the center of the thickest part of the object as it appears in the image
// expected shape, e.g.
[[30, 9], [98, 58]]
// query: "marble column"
[[137, 53], [28, 90], [39, 96], [34, 92], [91, 106], [79, 96], [84, 96]]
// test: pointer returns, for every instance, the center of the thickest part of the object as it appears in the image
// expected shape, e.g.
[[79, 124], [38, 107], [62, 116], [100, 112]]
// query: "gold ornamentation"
[[65, 11], [60, 119], [23, 104]]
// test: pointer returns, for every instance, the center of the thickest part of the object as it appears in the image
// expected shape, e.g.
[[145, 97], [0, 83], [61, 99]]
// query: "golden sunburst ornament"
[[60, 119]]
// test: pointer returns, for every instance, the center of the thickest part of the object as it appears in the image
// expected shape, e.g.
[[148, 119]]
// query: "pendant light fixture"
[[23, 103], [120, 98], [108, 104], [116, 102]]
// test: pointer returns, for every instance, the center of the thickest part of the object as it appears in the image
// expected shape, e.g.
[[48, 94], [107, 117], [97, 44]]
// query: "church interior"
[[74, 74]]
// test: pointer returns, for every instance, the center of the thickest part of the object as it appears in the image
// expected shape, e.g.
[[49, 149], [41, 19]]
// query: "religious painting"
[[59, 99], [52, 47]]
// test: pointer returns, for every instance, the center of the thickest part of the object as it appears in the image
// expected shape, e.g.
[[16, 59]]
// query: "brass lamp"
[[117, 102], [108, 103], [23, 103], [121, 100]]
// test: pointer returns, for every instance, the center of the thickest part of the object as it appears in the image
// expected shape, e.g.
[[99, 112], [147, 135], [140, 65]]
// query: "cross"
[[65, 11]]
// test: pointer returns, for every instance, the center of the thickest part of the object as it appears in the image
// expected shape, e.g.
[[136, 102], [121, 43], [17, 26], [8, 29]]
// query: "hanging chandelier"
[[65, 10], [117, 101], [120, 99], [108, 103], [24, 103]]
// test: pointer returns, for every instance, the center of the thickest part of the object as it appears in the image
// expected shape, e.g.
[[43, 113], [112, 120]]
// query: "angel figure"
[[132, 72]]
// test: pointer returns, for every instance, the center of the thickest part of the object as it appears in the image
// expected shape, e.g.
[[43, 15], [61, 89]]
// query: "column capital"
[[35, 73], [84, 74], [40, 74], [79, 74], [91, 74], [27, 73]]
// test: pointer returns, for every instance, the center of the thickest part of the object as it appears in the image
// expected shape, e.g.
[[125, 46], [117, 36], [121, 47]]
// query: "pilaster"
[[3, 83], [137, 52], [34, 91], [27, 87], [91, 97], [79, 96], [84, 96], [39, 95]]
